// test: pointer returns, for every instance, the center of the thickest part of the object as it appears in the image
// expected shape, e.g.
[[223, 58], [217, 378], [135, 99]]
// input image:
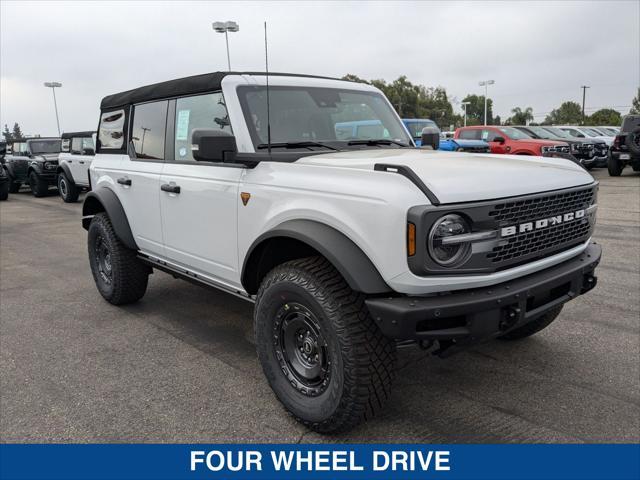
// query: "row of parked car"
[[64, 162]]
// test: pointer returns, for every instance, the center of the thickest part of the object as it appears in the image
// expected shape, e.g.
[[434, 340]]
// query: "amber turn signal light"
[[411, 239]]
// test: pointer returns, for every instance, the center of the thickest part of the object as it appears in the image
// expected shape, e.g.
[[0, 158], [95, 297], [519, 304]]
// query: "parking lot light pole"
[[226, 27], [464, 106], [53, 86], [485, 84], [584, 95]]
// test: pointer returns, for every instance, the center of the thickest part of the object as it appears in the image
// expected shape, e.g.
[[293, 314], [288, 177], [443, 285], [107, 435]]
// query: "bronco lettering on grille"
[[542, 223]]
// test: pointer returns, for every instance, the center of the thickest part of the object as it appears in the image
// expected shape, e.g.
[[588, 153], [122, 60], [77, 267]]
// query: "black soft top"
[[77, 134], [207, 82]]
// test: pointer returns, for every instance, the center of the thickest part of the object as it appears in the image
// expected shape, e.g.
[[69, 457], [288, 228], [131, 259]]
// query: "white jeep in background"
[[347, 246], [78, 149]]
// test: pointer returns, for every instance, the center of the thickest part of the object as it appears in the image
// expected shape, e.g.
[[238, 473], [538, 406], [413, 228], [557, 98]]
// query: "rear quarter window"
[[111, 132]]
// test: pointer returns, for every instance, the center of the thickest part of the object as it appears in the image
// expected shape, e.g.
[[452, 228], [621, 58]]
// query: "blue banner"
[[334, 462]]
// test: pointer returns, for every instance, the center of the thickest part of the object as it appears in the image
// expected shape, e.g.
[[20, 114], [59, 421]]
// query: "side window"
[[490, 135], [111, 132], [88, 146], [76, 146], [201, 111], [470, 134], [147, 134]]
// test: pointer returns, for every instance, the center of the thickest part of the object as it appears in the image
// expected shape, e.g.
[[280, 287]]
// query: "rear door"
[[199, 200]]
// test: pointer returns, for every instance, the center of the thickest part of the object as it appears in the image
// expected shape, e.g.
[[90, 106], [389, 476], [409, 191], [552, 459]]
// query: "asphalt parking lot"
[[180, 366]]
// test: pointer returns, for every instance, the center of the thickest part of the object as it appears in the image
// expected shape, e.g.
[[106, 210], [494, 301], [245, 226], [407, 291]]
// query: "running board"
[[192, 277]]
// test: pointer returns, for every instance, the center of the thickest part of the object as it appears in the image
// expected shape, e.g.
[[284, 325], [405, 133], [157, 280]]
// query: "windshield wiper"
[[377, 141], [304, 144]]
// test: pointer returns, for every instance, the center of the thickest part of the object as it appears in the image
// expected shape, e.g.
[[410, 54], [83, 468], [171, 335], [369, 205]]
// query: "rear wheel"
[[119, 275], [4, 190], [67, 189], [322, 354], [615, 166], [533, 326], [39, 187]]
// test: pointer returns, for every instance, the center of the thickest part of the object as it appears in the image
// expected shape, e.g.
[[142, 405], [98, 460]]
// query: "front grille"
[[602, 149], [542, 207], [552, 239], [558, 237], [562, 149]]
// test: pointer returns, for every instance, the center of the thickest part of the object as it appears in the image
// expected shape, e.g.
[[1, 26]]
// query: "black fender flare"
[[104, 200], [67, 173], [347, 257]]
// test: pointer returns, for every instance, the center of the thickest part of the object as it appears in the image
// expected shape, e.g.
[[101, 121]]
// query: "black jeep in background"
[[626, 147], [32, 160]]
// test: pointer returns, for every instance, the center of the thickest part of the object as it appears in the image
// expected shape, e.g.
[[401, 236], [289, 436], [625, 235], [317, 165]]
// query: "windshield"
[[541, 132], [514, 133], [45, 146], [591, 133], [558, 132], [415, 127], [322, 115]]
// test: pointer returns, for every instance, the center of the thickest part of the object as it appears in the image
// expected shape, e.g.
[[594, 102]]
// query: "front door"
[[199, 200]]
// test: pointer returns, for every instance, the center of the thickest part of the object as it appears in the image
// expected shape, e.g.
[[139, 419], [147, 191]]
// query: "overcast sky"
[[538, 53]]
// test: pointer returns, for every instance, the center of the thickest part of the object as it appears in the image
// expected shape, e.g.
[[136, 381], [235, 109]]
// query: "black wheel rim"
[[301, 349], [62, 185], [103, 260]]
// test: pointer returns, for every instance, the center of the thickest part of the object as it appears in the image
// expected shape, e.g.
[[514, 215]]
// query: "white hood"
[[464, 177]]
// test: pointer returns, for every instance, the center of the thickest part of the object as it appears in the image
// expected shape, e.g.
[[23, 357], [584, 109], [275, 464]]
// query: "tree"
[[17, 132], [520, 117], [605, 116], [497, 120], [353, 78], [7, 134], [635, 104], [569, 113], [475, 109]]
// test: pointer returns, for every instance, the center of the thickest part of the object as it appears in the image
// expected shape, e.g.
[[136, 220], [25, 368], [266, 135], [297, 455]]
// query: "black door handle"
[[81, 162], [124, 181], [170, 188]]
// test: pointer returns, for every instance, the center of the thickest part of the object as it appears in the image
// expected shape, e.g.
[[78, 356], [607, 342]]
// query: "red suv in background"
[[511, 140]]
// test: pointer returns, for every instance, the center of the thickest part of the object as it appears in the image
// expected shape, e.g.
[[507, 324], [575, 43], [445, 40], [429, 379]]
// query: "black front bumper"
[[464, 318]]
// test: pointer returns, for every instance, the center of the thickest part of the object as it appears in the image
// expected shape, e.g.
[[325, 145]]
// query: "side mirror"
[[499, 139], [209, 145], [430, 137]]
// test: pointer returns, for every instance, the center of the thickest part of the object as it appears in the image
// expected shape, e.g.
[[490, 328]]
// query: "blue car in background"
[[447, 142], [415, 126], [450, 144]]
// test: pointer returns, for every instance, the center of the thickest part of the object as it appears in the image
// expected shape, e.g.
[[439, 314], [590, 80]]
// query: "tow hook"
[[590, 281], [510, 318]]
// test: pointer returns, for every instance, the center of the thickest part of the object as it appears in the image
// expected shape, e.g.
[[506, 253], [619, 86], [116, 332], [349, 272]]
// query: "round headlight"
[[443, 247]]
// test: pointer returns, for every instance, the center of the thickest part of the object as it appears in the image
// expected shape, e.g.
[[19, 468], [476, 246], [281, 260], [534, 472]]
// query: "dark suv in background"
[[33, 160], [626, 147], [582, 150]]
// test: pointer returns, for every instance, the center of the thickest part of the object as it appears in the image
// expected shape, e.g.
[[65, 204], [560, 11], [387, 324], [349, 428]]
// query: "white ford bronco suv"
[[78, 149], [348, 246]]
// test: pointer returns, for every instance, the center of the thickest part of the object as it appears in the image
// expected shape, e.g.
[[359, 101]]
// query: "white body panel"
[[78, 166], [207, 229], [572, 129]]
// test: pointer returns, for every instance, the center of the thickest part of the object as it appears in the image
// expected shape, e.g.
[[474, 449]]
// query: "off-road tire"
[[361, 365], [615, 166], [633, 141], [68, 190], [636, 167], [533, 326], [14, 187], [39, 187], [4, 190], [127, 282]]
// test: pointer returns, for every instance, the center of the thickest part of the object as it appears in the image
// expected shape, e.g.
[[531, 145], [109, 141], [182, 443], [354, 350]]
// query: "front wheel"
[[39, 187], [68, 190], [322, 354], [119, 275]]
